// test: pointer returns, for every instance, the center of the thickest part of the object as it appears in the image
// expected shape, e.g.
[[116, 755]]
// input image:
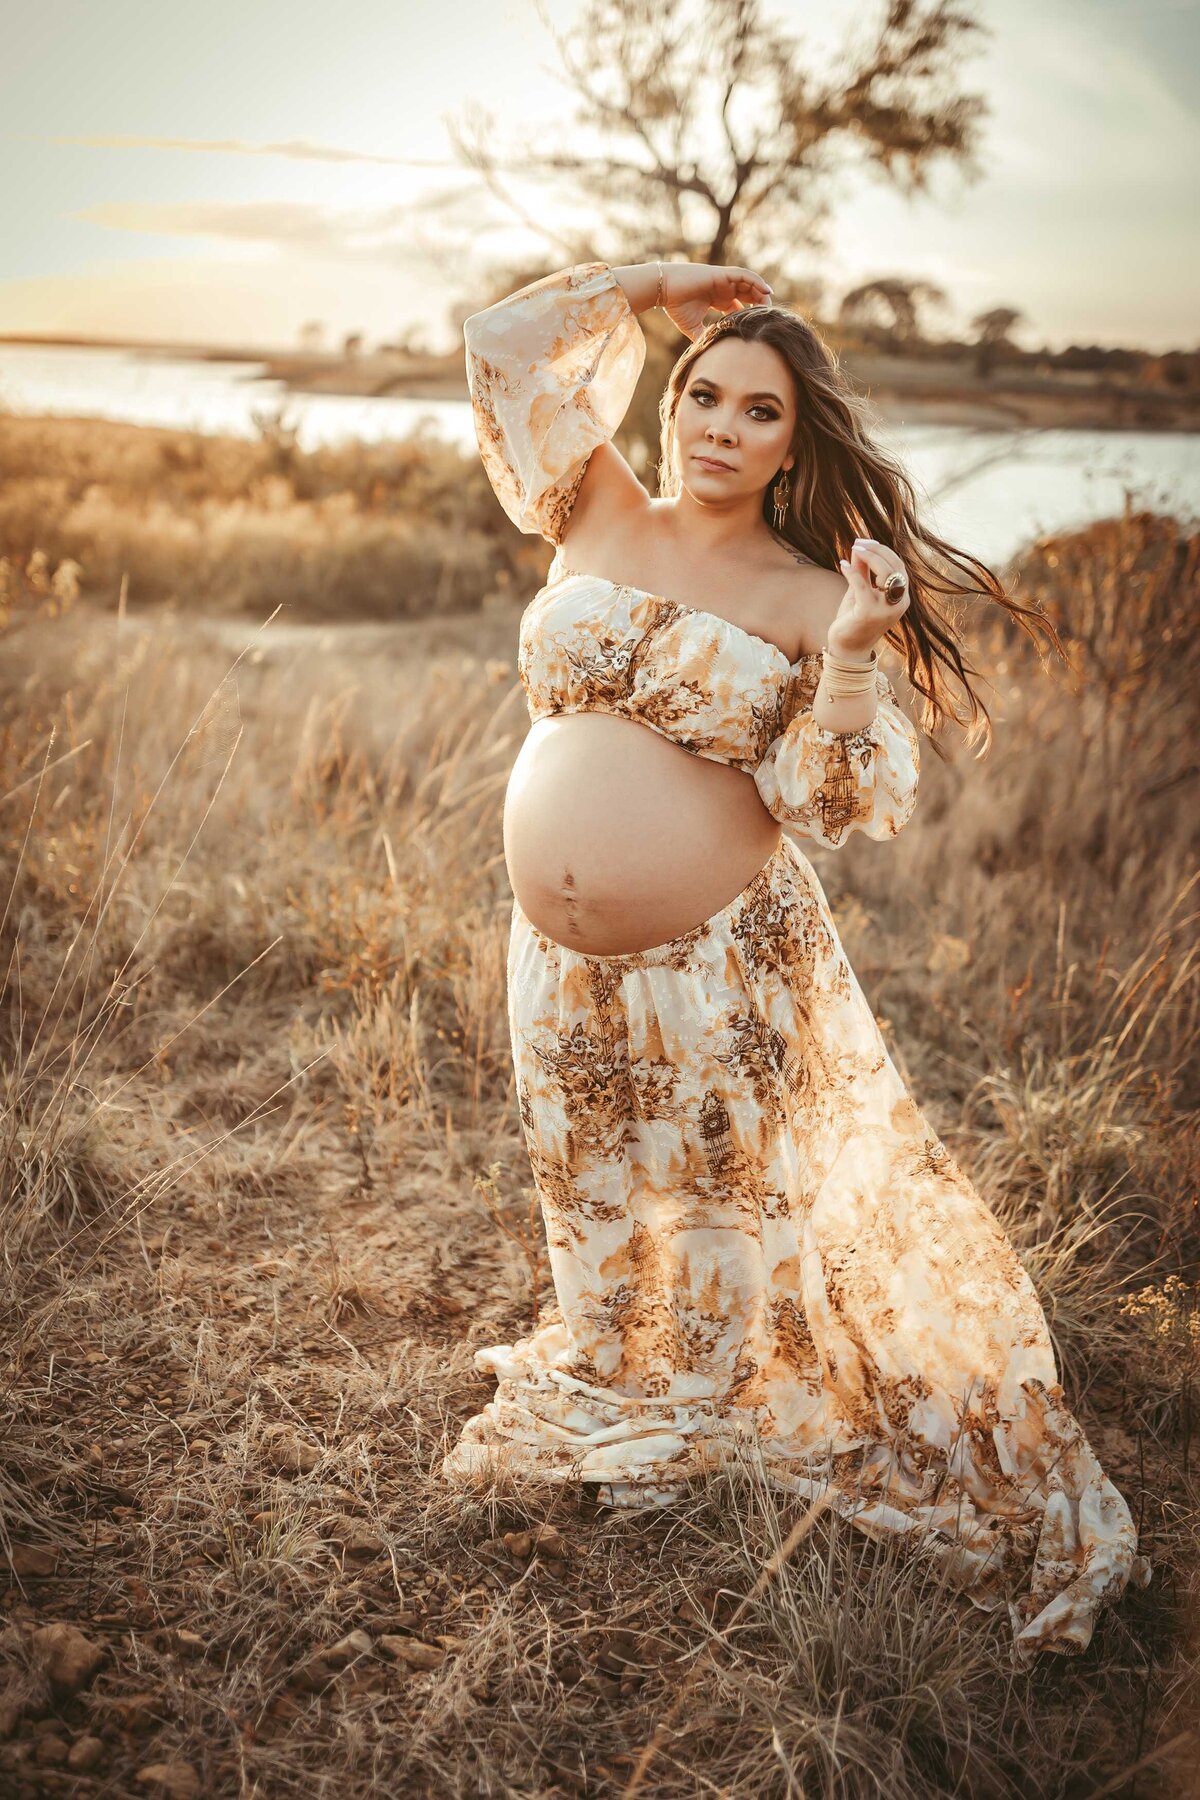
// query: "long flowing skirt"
[[757, 1239]]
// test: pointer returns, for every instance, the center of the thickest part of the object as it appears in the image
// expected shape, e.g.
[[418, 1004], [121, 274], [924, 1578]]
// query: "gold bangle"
[[658, 298], [838, 661], [846, 680]]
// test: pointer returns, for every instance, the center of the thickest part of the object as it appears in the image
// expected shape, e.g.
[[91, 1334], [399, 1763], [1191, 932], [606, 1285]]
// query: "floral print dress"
[[760, 1248]]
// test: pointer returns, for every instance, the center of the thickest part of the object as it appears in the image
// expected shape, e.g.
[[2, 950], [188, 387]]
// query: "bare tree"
[[701, 131], [992, 329], [888, 310]]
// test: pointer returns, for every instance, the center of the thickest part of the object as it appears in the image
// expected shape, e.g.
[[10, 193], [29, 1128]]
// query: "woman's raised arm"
[[551, 370]]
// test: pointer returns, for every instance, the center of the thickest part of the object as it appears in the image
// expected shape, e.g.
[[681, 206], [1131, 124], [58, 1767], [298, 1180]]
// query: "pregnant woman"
[[757, 1240]]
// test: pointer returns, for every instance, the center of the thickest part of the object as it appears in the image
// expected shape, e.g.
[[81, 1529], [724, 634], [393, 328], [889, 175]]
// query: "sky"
[[227, 173]]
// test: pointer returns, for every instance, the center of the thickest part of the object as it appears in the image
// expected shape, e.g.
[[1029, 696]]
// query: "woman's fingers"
[[872, 560], [747, 286], [873, 557], [857, 567], [867, 568]]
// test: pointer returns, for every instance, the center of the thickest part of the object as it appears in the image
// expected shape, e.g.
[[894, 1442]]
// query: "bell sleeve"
[[824, 784], [551, 370]]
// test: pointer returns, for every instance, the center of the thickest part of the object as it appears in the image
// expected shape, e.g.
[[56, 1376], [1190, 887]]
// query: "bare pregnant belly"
[[617, 839]]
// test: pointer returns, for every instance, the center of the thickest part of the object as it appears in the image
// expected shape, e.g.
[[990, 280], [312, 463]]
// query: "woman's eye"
[[703, 394]]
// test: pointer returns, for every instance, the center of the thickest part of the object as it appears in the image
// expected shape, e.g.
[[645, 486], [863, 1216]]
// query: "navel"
[[572, 903]]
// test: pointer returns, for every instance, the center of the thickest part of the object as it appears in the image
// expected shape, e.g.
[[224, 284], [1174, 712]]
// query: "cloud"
[[391, 236], [185, 300], [295, 149]]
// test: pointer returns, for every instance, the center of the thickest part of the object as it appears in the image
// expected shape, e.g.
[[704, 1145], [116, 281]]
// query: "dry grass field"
[[233, 527], [263, 1192]]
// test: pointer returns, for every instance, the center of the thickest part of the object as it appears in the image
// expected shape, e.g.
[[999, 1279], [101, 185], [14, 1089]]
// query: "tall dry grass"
[[238, 526], [263, 1192]]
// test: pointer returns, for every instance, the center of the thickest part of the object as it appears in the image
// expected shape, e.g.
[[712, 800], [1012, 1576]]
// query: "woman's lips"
[[712, 462]]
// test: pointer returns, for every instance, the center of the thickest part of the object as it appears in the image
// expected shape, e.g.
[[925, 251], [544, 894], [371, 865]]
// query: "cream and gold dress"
[[759, 1246]]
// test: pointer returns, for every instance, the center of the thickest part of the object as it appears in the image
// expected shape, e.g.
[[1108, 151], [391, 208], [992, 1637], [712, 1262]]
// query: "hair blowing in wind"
[[844, 485]]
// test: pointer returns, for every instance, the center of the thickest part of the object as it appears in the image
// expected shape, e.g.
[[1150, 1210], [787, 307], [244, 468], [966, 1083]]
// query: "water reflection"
[[989, 491]]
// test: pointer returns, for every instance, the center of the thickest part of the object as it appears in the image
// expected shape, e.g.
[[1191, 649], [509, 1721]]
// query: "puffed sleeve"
[[825, 784], [551, 370]]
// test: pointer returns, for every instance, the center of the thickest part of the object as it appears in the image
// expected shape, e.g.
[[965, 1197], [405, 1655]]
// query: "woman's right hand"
[[692, 289]]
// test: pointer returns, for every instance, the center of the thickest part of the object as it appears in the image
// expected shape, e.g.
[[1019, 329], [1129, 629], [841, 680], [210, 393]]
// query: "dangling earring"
[[781, 496]]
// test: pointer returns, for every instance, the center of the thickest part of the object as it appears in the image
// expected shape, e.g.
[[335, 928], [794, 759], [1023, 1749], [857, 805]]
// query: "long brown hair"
[[844, 486]]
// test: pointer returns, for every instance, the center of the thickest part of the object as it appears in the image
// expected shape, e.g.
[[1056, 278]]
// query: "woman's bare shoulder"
[[783, 557], [799, 585]]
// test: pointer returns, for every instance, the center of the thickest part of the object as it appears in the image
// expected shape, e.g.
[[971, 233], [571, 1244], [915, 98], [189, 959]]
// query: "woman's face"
[[737, 405]]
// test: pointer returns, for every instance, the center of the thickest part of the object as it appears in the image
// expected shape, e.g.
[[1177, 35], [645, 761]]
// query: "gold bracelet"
[[845, 680], [658, 298]]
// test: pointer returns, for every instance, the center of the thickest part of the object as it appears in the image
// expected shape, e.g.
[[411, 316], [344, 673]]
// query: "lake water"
[[988, 491]]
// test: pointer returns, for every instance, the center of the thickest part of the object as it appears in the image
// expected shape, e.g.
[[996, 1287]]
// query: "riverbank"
[[407, 527], [903, 390]]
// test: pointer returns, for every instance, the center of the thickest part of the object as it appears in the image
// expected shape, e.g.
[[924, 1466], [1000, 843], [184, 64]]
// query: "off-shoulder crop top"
[[551, 370]]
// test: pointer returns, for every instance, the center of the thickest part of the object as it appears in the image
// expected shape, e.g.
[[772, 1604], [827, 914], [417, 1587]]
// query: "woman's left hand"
[[866, 614]]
